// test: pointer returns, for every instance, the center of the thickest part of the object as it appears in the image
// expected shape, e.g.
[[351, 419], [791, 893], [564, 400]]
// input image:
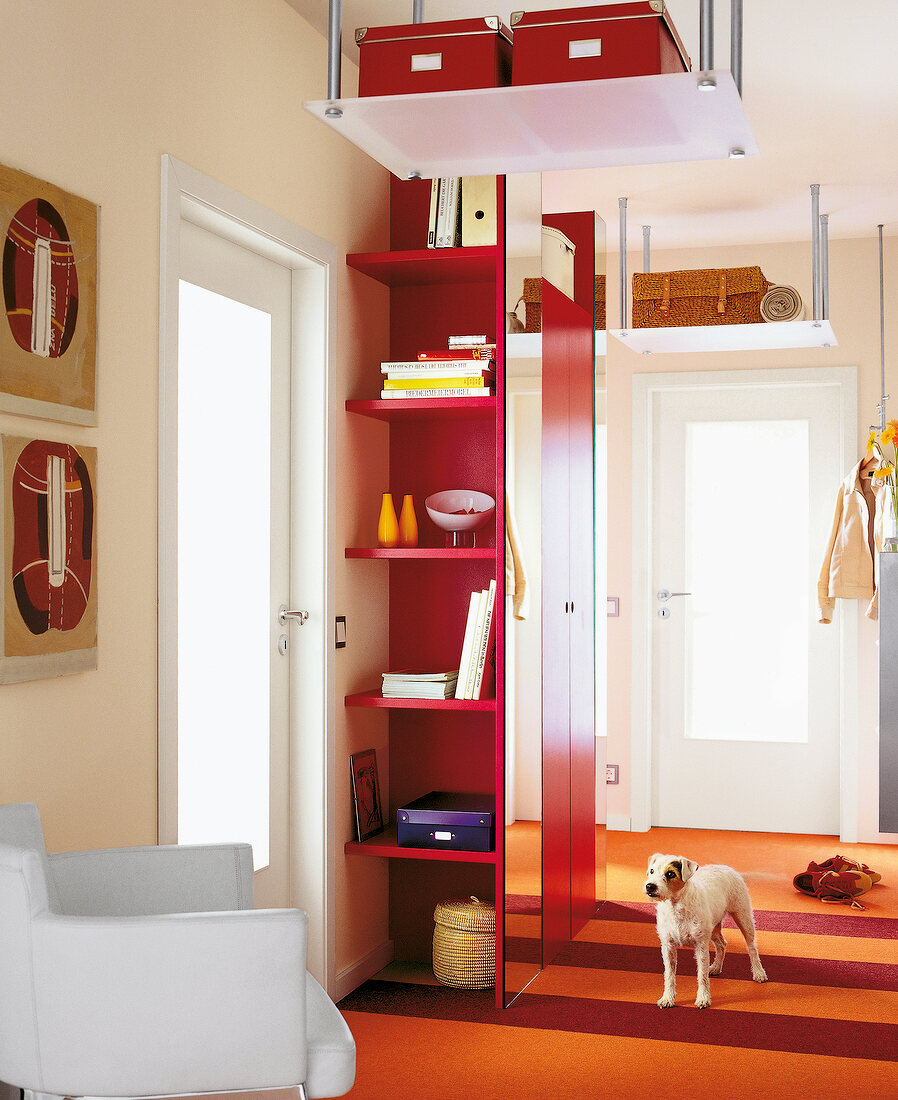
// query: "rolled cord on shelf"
[[782, 303]]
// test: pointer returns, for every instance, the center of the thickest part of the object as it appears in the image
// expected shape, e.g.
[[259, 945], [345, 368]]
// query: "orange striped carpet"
[[826, 1024]]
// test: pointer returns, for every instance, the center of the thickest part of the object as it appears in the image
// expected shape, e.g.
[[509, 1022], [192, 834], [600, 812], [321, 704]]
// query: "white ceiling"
[[821, 97]]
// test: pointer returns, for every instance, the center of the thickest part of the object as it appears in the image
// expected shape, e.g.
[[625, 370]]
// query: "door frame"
[[187, 193], [645, 386]]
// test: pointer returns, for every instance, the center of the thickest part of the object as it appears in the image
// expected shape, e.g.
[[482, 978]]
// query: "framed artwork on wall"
[[48, 340], [369, 815], [48, 595]]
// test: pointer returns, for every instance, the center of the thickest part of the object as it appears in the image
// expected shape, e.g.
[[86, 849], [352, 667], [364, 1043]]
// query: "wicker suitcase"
[[434, 57], [464, 943], [594, 43], [533, 289], [714, 296]]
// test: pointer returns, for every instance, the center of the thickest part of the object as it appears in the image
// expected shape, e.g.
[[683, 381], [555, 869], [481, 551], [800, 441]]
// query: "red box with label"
[[434, 57], [596, 43]]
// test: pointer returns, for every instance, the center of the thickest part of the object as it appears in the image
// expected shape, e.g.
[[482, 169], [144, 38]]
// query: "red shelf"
[[376, 699], [443, 553], [428, 266], [386, 844], [444, 408]]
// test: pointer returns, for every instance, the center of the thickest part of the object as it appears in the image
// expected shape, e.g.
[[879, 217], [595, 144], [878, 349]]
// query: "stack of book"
[[415, 683], [466, 368], [476, 662]]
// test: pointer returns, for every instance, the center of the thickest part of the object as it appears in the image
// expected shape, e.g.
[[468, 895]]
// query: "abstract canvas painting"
[[48, 342], [49, 600]]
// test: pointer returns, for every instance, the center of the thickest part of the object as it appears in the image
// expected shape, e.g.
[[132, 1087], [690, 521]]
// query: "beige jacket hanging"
[[850, 569]]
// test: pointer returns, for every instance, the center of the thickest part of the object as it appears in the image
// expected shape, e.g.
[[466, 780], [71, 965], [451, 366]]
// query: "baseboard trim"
[[620, 823], [366, 967]]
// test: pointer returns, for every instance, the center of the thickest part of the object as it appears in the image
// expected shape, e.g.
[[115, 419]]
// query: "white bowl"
[[444, 508]]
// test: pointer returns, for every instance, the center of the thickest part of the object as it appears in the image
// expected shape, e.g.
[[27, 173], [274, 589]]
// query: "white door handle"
[[665, 594], [284, 616]]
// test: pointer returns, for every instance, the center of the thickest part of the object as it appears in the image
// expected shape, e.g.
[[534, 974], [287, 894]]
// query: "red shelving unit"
[[447, 744]]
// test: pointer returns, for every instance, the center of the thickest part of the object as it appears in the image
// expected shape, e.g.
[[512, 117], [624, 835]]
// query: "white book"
[[453, 206], [484, 640], [475, 647], [462, 341], [435, 392], [441, 213], [465, 659], [432, 216]]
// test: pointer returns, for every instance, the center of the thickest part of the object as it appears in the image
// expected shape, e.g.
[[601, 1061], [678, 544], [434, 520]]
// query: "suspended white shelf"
[[547, 127], [697, 338], [529, 345]]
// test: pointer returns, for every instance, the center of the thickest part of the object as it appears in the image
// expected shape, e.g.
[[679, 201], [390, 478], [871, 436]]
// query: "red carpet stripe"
[[780, 968], [793, 1034], [833, 923]]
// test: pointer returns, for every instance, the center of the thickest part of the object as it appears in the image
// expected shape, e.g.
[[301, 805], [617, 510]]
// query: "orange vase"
[[408, 523], [387, 525]]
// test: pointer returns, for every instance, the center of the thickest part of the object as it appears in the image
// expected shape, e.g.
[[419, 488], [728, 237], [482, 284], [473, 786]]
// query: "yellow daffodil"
[[884, 471], [870, 442]]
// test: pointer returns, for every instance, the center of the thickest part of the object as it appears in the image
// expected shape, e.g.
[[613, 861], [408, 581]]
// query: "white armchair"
[[146, 972]]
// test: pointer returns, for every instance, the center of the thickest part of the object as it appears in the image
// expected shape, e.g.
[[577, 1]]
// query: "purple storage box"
[[444, 819]]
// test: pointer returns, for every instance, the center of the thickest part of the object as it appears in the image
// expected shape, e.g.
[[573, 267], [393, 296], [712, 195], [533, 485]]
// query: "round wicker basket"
[[464, 943]]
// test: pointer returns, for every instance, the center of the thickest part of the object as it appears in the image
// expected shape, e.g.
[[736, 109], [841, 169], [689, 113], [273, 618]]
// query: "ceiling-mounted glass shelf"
[[529, 345], [547, 127], [767, 336]]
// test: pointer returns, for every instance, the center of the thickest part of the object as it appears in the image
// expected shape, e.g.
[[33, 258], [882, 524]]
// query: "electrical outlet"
[[612, 772]]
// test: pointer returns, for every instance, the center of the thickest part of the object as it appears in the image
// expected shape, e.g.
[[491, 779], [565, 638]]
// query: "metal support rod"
[[646, 249], [334, 50], [736, 43], [824, 266], [417, 11], [706, 36], [815, 247], [882, 342], [622, 215]]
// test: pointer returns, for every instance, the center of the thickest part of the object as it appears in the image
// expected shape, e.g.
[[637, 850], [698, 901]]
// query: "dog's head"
[[667, 875]]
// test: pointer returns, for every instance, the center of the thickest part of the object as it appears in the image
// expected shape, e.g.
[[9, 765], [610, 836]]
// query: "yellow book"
[[474, 382]]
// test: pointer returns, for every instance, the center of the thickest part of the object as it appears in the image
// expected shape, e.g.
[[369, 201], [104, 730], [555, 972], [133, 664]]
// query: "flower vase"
[[890, 519], [408, 523], [387, 524]]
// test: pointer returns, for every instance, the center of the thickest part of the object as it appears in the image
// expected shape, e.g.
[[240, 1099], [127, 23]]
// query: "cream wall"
[[94, 94]]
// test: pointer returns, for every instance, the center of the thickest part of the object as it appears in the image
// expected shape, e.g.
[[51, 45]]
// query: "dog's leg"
[[746, 924], [720, 950], [702, 964], [669, 954]]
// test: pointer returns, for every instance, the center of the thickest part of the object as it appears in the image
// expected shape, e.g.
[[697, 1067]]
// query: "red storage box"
[[434, 57], [596, 43]]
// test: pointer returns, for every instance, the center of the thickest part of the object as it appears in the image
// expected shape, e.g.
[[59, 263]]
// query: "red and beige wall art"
[[49, 590], [48, 342]]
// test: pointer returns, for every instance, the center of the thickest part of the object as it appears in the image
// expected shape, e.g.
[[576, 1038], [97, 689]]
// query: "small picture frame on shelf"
[[369, 817]]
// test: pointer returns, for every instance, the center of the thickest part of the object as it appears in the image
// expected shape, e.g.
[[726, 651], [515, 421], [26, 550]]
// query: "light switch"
[[340, 632]]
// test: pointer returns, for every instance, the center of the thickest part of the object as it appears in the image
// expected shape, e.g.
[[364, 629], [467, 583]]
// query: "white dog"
[[692, 903]]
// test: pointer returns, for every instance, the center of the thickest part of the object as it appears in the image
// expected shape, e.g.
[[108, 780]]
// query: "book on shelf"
[[419, 684], [419, 368], [464, 662], [447, 228], [479, 633], [486, 640], [432, 217], [481, 351], [466, 341], [411, 382], [435, 392]]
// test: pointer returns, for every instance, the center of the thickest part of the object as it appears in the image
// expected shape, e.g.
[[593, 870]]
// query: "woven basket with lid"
[[464, 943]]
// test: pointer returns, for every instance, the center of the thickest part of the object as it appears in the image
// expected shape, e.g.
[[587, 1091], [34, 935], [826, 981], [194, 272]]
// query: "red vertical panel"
[[556, 796]]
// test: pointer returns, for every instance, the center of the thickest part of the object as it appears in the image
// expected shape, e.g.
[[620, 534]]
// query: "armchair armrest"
[[171, 1004], [151, 880]]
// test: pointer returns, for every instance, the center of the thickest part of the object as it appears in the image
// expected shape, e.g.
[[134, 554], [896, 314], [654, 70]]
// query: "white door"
[[745, 690], [234, 367]]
